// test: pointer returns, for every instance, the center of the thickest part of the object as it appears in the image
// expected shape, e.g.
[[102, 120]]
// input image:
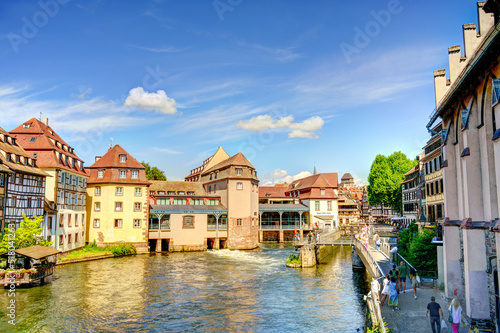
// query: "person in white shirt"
[[394, 251], [375, 289], [456, 313]]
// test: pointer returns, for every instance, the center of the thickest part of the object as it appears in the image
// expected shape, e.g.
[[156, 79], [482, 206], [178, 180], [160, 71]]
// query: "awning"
[[35, 252]]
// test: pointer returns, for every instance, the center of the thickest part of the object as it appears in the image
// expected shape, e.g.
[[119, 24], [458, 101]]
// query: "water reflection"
[[210, 291]]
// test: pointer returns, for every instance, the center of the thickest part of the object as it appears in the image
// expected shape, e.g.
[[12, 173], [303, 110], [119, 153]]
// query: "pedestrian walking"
[[393, 295], [376, 239], [434, 309], [414, 281], [385, 289], [317, 237], [394, 251], [375, 289], [456, 314], [403, 271]]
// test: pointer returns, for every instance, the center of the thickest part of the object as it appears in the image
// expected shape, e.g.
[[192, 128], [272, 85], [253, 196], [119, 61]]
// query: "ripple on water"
[[242, 291]]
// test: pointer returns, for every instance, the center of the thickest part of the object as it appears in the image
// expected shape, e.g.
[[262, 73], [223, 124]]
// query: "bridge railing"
[[374, 266], [375, 311]]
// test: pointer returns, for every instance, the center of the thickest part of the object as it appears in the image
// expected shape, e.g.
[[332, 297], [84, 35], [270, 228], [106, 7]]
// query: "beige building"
[[117, 201], [65, 189], [468, 105]]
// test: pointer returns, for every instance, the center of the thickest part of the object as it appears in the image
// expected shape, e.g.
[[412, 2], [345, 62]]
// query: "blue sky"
[[291, 84]]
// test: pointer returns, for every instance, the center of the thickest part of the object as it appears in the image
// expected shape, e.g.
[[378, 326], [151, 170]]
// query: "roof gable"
[[112, 160]]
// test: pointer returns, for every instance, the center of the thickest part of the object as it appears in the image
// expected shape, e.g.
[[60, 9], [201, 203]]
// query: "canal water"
[[214, 291]]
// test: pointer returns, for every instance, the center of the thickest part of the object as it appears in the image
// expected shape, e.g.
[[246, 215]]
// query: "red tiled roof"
[[238, 159], [272, 191], [414, 169], [112, 160], [45, 145], [110, 165], [321, 180]]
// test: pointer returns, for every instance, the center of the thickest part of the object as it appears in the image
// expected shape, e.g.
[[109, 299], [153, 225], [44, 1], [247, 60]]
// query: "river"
[[213, 291]]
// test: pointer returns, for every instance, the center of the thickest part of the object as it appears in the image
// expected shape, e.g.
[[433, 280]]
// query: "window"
[[28, 203], [61, 220], [239, 171], [169, 192], [118, 207], [118, 223], [188, 222], [119, 191], [197, 202], [69, 239], [49, 223], [216, 173], [137, 207], [97, 191], [239, 186], [213, 202], [83, 220], [316, 205], [76, 221], [179, 201], [123, 174], [123, 158], [61, 239], [322, 191], [69, 220], [137, 223], [441, 183], [239, 221], [495, 93], [32, 139], [190, 193], [97, 223], [163, 201], [329, 205], [138, 191], [2, 179], [97, 206], [100, 174], [26, 125], [76, 237]]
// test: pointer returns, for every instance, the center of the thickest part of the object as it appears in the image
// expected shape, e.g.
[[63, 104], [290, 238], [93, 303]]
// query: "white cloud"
[[264, 122], [280, 176], [158, 101], [297, 133], [300, 175], [360, 182], [278, 173], [304, 129], [167, 151]]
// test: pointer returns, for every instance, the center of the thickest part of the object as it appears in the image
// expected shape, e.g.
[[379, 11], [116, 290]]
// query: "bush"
[[122, 249], [293, 259]]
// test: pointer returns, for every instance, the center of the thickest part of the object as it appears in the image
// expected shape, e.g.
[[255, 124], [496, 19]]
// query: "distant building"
[[432, 163], [349, 210], [219, 156], [366, 212], [468, 104], [410, 188], [117, 200], [347, 181], [24, 188], [183, 216], [65, 189]]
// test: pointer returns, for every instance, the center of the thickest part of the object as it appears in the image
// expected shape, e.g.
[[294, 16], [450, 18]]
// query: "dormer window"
[[35, 155], [26, 125], [239, 171], [123, 158], [123, 174], [100, 174], [181, 192], [9, 158], [322, 191], [18, 159], [135, 174], [32, 139]]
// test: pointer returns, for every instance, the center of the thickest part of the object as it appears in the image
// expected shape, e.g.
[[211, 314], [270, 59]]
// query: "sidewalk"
[[411, 316]]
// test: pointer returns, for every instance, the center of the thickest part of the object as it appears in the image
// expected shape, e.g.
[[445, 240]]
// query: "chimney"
[[97, 158], [46, 121]]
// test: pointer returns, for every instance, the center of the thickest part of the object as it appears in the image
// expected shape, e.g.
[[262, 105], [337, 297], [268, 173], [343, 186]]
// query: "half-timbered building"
[[24, 188]]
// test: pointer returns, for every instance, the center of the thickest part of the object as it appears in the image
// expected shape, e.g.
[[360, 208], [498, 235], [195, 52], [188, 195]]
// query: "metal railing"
[[375, 268], [375, 311]]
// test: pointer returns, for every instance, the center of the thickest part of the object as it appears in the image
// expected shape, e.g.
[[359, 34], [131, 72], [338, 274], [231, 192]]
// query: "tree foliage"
[[386, 175], [153, 173], [28, 234], [417, 248]]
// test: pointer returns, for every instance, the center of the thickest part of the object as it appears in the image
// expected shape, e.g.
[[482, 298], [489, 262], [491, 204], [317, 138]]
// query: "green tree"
[[386, 175], [423, 254], [153, 173], [28, 234]]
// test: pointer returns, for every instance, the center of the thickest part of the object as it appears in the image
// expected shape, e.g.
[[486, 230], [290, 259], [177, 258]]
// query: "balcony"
[[164, 225]]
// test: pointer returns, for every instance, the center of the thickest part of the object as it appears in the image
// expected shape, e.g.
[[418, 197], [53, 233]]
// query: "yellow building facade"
[[117, 201]]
